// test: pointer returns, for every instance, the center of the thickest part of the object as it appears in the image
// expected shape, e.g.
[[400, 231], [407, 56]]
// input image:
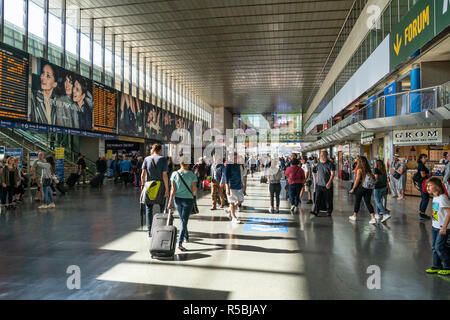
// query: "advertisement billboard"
[[131, 116], [60, 97]]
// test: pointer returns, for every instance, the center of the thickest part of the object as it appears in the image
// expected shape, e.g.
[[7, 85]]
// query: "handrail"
[[356, 117]]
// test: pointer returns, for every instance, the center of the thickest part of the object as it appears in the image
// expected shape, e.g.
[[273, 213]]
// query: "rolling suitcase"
[[60, 188], [73, 178], [95, 182], [160, 219], [164, 241]]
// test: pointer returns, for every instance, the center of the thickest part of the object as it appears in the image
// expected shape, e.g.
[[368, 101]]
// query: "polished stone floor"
[[303, 257]]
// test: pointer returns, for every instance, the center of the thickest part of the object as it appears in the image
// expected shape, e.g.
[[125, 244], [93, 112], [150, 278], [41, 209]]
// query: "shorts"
[[236, 196], [306, 188]]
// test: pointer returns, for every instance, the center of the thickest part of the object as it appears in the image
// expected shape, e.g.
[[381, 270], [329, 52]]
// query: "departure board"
[[105, 108], [14, 69]]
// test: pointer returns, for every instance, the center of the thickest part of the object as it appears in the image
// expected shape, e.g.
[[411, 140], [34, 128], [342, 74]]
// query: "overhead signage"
[[14, 67], [105, 108], [421, 136], [130, 139], [413, 31], [442, 15], [53, 129]]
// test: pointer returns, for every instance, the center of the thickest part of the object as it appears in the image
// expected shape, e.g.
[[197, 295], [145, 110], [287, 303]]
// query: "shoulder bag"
[[195, 208], [154, 192]]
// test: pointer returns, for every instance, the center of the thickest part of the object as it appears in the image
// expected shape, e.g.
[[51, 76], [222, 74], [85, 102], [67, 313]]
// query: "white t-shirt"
[[305, 168], [439, 212]]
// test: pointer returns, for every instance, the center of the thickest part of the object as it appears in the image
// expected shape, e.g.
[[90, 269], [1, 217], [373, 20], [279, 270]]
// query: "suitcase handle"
[[166, 210]]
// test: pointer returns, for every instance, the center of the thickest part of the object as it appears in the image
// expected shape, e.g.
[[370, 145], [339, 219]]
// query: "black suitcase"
[[73, 178], [60, 187], [263, 179], [163, 241], [95, 182]]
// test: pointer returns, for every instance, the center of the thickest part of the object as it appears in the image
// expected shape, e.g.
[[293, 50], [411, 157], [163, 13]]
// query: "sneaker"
[[236, 221], [181, 248], [292, 209], [51, 205], [271, 210], [352, 218], [213, 208], [378, 216], [385, 217], [424, 217], [278, 210], [433, 270], [43, 206], [444, 272], [373, 221]]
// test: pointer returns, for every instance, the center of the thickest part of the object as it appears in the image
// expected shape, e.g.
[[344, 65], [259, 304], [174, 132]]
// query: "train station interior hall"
[[314, 137]]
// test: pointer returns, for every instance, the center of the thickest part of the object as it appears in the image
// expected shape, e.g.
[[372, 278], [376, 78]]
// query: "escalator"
[[36, 141]]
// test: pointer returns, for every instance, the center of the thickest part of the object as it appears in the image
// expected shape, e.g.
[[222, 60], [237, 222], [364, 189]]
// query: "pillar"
[[415, 98]]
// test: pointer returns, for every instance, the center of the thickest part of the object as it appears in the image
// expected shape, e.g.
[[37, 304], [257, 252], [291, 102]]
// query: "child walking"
[[440, 230]]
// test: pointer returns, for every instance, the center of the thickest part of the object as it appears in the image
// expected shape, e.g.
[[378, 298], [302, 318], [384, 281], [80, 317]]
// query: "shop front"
[[125, 146], [410, 144]]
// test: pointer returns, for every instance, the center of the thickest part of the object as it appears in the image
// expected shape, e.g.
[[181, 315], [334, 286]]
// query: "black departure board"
[[105, 108], [14, 69]]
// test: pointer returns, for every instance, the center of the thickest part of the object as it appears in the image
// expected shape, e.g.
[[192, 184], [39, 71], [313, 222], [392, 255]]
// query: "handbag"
[[154, 194], [195, 208], [396, 175], [424, 186]]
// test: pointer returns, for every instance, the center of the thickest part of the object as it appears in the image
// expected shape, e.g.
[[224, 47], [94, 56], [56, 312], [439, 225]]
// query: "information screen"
[[105, 108], [14, 69]]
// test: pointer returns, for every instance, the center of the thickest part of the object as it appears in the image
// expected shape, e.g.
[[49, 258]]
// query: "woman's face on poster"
[[68, 86], [78, 95], [48, 81]]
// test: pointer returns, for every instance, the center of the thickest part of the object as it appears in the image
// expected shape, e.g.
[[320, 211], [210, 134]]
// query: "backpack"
[[369, 182]]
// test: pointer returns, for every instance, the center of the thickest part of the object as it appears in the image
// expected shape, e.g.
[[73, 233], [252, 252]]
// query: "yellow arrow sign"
[[398, 45]]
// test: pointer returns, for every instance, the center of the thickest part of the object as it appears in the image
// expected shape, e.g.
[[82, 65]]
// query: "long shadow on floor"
[[240, 247], [204, 235]]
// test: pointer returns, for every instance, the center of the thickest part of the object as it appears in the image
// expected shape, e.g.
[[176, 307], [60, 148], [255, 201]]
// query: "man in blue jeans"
[[154, 168]]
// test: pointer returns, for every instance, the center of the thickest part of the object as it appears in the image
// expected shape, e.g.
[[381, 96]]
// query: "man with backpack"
[[326, 171], [154, 182]]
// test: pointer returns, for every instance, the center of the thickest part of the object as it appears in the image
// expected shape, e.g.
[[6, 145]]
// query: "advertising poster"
[[168, 125], [2, 152], [15, 152], [59, 162], [60, 97], [152, 123], [131, 116]]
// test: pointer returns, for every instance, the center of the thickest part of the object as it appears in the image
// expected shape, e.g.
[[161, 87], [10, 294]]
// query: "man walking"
[[102, 168], [154, 168], [36, 172], [326, 171], [233, 185], [216, 176], [82, 168]]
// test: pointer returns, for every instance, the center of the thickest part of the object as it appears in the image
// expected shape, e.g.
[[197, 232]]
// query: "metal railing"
[[404, 103]]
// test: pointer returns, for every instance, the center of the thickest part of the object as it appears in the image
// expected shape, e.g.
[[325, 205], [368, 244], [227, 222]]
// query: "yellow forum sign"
[[412, 32]]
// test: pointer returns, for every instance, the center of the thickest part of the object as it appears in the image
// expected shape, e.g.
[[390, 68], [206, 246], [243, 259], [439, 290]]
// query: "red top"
[[295, 174]]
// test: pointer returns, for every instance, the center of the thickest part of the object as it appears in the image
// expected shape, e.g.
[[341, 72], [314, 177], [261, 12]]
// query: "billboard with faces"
[[168, 125], [131, 116], [60, 97], [153, 122]]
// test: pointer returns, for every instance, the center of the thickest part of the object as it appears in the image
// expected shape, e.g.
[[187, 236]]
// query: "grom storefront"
[[409, 144]]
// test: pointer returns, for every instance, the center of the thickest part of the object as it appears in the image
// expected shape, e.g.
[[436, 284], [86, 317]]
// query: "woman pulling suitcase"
[[184, 189]]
